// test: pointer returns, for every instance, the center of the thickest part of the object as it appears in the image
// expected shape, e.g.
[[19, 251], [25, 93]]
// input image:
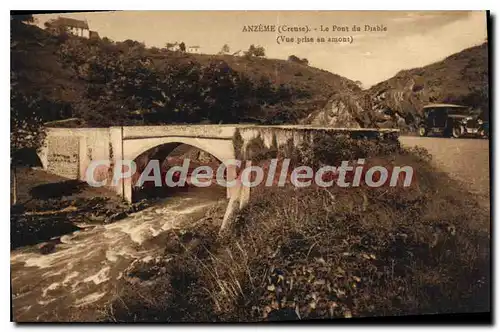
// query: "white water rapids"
[[88, 265]]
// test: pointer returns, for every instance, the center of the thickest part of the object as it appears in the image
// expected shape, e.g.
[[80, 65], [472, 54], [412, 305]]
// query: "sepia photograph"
[[197, 166]]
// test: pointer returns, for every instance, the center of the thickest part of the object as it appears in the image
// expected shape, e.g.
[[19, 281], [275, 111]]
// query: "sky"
[[413, 38]]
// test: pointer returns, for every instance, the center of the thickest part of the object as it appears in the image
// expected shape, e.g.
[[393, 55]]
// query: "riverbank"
[[316, 253], [49, 206]]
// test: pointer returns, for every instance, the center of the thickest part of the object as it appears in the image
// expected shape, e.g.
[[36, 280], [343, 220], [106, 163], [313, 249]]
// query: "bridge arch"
[[221, 149]]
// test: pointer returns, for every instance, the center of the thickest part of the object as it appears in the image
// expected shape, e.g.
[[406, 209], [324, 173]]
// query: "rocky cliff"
[[461, 78]]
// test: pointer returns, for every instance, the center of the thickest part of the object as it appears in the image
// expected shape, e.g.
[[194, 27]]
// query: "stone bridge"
[[69, 151]]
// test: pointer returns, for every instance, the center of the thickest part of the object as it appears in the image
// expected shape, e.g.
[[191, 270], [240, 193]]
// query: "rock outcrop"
[[342, 110], [461, 78]]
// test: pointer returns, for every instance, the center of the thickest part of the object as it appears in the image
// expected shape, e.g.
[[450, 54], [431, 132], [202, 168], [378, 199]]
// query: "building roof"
[[195, 46], [444, 105], [70, 22]]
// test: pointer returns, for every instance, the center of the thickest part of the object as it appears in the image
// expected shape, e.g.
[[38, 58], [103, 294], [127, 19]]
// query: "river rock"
[[98, 218], [137, 206], [47, 248], [116, 216]]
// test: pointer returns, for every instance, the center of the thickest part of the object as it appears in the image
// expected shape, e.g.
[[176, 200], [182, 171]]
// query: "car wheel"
[[422, 131], [457, 131]]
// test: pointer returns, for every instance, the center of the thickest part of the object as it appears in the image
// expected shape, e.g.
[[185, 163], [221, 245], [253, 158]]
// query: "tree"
[[250, 51], [224, 49], [182, 47], [133, 43], [255, 51], [22, 18], [259, 51], [106, 40], [26, 129]]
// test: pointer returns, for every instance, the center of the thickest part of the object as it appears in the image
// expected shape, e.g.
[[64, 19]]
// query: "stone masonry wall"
[[68, 152], [63, 156]]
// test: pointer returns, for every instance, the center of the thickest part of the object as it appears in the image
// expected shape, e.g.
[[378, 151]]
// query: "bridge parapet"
[[222, 131], [195, 131]]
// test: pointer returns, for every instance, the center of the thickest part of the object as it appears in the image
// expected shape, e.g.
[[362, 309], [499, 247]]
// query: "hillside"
[[319, 84], [105, 82], [36, 70], [461, 78]]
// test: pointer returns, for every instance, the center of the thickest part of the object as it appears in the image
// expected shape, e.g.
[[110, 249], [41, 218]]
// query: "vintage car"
[[451, 121]]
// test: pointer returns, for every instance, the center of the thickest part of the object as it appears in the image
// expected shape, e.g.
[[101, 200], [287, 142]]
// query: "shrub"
[[327, 149], [255, 51], [293, 58]]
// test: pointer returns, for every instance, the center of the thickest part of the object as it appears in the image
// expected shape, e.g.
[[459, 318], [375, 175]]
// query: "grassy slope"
[[325, 253]]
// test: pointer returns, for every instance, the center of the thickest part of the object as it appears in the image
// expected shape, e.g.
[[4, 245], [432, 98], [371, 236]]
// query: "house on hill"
[[193, 49], [70, 25], [173, 47]]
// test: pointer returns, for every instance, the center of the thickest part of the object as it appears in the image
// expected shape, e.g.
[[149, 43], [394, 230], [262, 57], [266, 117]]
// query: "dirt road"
[[464, 159]]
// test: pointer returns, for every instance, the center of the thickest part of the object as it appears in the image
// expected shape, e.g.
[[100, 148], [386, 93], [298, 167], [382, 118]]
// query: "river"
[[88, 266]]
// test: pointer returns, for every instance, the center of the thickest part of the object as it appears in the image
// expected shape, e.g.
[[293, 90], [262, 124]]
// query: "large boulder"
[[343, 110]]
